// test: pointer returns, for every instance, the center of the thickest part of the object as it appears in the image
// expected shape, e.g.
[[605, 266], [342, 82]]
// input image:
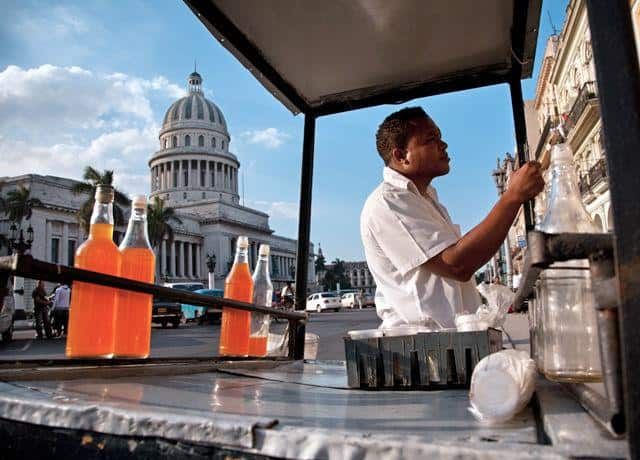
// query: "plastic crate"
[[426, 361]]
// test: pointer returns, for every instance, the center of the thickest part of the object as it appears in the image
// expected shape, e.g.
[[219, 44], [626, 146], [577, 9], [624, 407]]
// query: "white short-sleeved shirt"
[[401, 230], [61, 298]]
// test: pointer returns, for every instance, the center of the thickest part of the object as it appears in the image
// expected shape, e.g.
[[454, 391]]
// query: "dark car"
[[166, 312], [201, 314]]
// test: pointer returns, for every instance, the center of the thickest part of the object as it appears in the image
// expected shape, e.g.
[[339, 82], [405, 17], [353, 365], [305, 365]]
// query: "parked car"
[[349, 300], [321, 301], [202, 314], [188, 286], [166, 311]]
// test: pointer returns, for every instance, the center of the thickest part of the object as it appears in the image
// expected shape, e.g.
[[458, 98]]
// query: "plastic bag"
[[493, 314], [501, 385]]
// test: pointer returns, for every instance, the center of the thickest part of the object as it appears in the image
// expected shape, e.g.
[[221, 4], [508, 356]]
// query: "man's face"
[[426, 153]]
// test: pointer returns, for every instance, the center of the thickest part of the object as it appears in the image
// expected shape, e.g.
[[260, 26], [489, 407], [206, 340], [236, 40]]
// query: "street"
[[192, 340]]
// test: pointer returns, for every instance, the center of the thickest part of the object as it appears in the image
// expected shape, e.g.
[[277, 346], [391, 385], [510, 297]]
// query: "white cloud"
[[282, 209], [270, 138]]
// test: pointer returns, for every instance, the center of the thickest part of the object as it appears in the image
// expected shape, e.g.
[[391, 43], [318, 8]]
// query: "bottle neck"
[[137, 235], [242, 256], [102, 220], [262, 268], [564, 180]]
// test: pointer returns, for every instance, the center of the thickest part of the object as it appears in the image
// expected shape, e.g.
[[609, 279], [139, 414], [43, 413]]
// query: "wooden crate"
[[426, 361]]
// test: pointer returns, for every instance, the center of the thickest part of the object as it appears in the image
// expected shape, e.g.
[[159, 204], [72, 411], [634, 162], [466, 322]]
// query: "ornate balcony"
[[584, 185], [587, 93], [598, 172]]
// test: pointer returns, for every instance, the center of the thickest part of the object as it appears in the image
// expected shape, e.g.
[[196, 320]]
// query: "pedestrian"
[[359, 298], [517, 278], [41, 311], [61, 308], [287, 295], [417, 255]]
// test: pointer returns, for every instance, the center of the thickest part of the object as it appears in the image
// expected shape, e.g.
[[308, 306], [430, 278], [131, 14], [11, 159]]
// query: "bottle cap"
[[104, 193], [243, 242], [139, 201], [264, 250], [561, 152]]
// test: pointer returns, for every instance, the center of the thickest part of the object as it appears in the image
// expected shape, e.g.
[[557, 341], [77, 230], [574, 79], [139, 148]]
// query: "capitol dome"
[[194, 162]]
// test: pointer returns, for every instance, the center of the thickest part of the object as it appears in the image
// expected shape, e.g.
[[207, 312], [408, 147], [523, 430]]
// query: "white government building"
[[195, 173]]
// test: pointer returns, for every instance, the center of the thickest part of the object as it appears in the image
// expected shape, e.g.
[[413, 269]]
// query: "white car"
[[323, 301]]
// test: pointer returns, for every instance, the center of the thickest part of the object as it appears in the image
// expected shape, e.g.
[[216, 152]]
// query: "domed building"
[[195, 173]]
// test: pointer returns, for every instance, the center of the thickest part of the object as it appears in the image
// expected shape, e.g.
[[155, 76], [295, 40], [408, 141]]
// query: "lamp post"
[[500, 177], [211, 268], [17, 242]]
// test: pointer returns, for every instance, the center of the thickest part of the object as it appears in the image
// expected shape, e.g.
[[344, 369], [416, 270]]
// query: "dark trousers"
[[61, 320], [41, 313]]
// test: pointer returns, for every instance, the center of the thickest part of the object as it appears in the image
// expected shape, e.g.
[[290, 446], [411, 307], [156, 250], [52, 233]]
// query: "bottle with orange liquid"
[[92, 313], [234, 333], [262, 294], [133, 318]]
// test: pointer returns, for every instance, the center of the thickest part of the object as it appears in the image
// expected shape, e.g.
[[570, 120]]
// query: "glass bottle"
[[262, 296], [234, 333], [571, 346], [92, 312], [133, 318]]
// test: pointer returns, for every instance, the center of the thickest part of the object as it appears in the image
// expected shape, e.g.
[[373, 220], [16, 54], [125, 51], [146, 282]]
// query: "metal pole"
[[521, 140], [304, 229], [618, 78]]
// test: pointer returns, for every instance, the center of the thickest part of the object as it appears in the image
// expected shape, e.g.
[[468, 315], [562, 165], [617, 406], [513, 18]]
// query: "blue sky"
[[88, 83]]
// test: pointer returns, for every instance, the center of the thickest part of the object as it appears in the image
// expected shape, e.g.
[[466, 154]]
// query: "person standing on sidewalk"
[[41, 310], [61, 308]]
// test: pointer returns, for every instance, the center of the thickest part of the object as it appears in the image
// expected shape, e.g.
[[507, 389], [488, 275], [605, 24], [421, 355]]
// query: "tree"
[[159, 219], [94, 178], [19, 205], [320, 264], [336, 274]]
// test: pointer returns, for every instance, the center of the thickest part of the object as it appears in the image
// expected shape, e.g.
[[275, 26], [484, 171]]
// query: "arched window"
[[174, 141], [200, 141], [166, 143], [222, 145], [187, 140]]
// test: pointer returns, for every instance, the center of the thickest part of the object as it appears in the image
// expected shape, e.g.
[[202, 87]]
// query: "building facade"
[[195, 173], [360, 276]]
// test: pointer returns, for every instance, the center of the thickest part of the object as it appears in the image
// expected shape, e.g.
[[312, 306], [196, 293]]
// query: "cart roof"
[[329, 56]]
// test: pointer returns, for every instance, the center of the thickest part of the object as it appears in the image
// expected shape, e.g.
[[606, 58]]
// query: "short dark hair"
[[395, 130]]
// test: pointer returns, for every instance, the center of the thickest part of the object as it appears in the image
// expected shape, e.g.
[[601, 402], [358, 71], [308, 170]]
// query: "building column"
[[172, 262], [163, 257], [197, 273], [188, 271], [64, 245], [181, 258]]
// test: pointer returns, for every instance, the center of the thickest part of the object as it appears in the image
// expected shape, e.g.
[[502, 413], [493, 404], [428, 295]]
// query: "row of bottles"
[[564, 335], [244, 333], [105, 322]]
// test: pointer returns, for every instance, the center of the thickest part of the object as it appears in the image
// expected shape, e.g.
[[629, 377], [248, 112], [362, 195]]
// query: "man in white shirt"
[[61, 299], [420, 261]]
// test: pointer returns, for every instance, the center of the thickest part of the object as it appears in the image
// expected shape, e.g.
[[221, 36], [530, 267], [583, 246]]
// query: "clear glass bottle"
[[133, 318], [234, 332], [262, 296], [568, 317], [92, 313]]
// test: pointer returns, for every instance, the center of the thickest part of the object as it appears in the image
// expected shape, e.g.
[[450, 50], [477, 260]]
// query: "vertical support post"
[[618, 78], [521, 140], [304, 227]]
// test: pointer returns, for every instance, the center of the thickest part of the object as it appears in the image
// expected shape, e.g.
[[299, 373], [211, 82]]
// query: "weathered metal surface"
[[570, 429], [425, 361]]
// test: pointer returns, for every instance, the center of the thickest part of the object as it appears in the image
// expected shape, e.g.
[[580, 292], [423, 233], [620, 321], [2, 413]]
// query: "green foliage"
[[159, 219], [336, 274]]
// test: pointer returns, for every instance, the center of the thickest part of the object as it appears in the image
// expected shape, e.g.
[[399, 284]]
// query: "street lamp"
[[211, 267], [17, 242], [500, 177]]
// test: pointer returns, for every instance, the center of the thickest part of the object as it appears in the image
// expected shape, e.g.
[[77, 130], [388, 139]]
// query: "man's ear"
[[398, 155]]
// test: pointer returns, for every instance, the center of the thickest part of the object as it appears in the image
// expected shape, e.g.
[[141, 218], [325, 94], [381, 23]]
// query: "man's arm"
[[462, 259]]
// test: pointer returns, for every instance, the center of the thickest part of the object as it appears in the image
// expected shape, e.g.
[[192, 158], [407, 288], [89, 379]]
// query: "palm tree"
[[94, 178], [159, 219], [19, 205]]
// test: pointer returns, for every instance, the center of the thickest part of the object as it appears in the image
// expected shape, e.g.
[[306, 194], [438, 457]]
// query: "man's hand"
[[526, 182]]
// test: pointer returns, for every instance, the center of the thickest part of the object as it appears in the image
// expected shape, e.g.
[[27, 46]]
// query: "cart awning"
[[337, 55]]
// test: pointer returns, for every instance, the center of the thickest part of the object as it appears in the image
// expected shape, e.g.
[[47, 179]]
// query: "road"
[[192, 340]]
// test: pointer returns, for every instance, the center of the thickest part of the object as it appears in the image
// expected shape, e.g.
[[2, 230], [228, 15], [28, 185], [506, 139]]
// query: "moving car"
[[321, 301], [165, 311], [349, 300], [202, 314]]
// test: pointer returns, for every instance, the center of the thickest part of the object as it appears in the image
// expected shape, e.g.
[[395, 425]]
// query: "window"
[[174, 141], [201, 141], [55, 250], [212, 171], [176, 165], [166, 143], [185, 173], [187, 140], [204, 195], [222, 145], [184, 196], [203, 173], [71, 252], [213, 142]]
